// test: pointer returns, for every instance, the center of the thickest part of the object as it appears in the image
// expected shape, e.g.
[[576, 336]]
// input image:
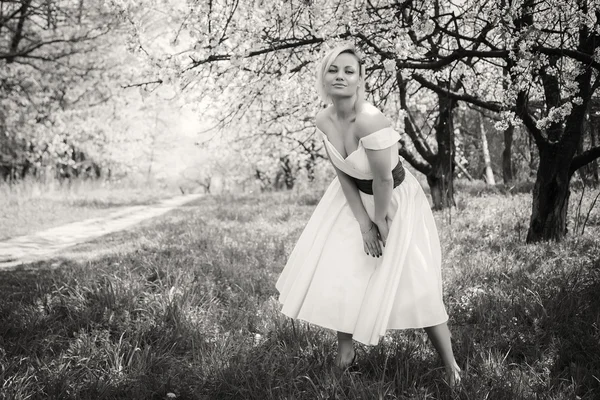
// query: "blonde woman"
[[369, 258]]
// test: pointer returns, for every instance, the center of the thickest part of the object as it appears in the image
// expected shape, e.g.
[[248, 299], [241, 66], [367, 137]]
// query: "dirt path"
[[40, 245]]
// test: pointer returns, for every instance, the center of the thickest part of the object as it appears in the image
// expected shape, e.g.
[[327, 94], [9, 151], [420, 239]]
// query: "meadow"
[[28, 206], [184, 306]]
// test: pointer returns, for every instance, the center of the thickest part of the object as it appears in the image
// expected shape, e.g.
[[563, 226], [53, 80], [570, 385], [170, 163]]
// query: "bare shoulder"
[[322, 118], [369, 119]]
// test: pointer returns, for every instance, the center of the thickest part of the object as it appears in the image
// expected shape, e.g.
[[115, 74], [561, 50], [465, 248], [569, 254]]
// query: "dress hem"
[[329, 327]]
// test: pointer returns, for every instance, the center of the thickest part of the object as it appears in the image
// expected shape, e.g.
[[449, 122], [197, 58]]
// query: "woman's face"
[[343, 76]]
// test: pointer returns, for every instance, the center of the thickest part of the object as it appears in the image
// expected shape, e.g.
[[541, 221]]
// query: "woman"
[[369, 258]]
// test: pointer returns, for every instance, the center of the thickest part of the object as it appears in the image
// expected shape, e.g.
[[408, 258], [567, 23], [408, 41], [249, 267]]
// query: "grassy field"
[[31, 206], [185, 307]]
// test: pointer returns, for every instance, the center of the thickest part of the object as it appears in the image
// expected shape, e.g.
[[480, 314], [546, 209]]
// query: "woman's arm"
[[368, 229], [354, 201], [348, 186], [381, 167], [383, 181]]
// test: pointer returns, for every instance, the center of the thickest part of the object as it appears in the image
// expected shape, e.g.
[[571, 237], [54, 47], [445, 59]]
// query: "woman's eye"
[[349, 72]]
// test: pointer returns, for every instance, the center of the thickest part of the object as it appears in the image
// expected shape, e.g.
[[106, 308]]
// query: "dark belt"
[[366, 185]]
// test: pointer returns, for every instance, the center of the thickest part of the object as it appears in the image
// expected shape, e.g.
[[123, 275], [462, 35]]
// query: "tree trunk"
[[507, 166], [286, 174], [489, 173], [442, 190], [595, 136], [551, 190], [441, 177], [589, 172], [18, 33], [311, 161], [533, 156], [550, 195], [508, 174]]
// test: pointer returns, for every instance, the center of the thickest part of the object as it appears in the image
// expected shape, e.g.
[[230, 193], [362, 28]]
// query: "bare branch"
[[417, 164], [584, 159], [420, 145], [156, 82], [272, 49]]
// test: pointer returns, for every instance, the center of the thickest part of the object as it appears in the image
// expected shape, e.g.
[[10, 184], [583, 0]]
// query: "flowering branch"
[[523, 113], [492, 106]]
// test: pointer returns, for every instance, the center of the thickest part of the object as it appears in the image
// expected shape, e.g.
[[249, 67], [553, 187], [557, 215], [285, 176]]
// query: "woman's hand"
[[371, 240], [384, 230]]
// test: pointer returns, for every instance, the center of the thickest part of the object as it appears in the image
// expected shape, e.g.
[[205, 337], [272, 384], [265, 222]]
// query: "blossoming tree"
[[535, 63]]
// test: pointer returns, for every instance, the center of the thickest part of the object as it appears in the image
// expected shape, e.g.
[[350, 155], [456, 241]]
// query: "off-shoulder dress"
[[330, 281]]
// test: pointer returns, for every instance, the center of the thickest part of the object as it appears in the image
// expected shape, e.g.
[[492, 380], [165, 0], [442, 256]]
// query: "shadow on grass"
[[532, 332]]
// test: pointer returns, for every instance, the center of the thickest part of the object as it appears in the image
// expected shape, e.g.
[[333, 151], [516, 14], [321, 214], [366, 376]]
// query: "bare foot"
[[345, 356]]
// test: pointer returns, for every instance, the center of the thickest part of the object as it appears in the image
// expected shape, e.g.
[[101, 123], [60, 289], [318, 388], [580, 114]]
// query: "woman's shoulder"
[[369, 119], [322, 118]]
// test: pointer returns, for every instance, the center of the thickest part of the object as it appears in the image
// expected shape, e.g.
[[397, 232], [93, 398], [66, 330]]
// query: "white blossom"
[[501, 125], [428, 27], [389, 65]]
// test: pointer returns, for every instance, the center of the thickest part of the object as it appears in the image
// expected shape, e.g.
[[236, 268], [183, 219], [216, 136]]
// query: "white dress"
[[330, 281]]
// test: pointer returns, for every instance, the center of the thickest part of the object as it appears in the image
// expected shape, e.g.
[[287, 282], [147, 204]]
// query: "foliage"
[[48, 81], [69, 104]]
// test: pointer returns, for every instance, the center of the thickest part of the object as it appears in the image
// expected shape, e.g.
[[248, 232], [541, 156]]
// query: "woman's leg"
[[345, 354], [440, 337]]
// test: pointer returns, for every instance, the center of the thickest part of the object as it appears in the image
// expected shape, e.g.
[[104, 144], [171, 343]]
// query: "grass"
[[30, 206], [185, 305]]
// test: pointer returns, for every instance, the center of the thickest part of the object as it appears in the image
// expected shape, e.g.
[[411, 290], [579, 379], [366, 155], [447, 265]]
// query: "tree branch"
[[26, 52], [18, 35], [272, 49], [523, 112], [574, 54], [11, 16], [584, 159], [420, 145], [158, 82], [417, 164], [492, 106]]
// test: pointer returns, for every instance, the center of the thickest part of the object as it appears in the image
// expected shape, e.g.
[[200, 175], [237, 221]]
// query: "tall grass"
[[186, 306], [29, 205]]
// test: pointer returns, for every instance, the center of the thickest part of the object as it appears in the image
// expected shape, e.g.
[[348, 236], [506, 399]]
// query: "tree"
[[506, 56], [553, 76], [489, 173], [50, 80]]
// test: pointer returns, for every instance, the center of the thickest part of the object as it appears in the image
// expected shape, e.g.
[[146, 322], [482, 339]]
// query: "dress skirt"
[[331, 282]]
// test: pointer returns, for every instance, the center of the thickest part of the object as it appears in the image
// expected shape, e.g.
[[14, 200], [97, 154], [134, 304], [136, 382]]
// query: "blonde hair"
[[326, 63]]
